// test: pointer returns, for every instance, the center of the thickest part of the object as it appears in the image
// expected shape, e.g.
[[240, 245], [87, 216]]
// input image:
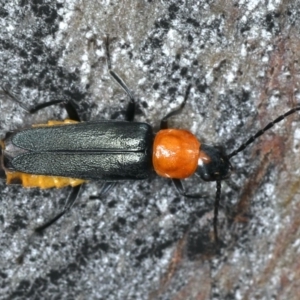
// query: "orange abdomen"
[[175, 153]]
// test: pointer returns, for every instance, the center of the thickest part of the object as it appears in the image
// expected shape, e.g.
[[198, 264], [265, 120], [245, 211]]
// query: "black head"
[[213, 163]]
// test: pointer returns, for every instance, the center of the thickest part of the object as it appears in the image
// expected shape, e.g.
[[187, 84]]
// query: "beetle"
[[71, 152]]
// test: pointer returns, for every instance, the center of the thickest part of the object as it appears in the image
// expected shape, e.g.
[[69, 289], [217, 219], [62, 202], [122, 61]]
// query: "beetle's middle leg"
[[69, 105], [130, 111]]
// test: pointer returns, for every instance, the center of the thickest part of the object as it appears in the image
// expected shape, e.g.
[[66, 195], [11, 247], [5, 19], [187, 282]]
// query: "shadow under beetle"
[[71, 152]]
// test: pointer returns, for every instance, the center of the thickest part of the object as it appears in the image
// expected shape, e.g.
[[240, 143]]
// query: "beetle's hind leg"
[[39, 230], [130, 111], [69, 105]]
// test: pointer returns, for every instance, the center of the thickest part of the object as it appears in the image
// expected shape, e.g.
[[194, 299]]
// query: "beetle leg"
[[106, 187], [2, 172], [180, 189], [164, 120], [216, 210], [69, 105], [72, 111], [130, 111], [71, 199]]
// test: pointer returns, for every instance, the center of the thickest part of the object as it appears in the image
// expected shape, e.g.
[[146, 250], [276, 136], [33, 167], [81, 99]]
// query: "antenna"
[[262, 131]]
